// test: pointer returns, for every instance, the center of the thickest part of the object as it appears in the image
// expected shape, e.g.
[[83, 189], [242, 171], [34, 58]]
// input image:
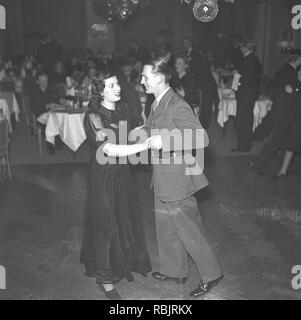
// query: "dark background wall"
[[178, 19], [65, 18]]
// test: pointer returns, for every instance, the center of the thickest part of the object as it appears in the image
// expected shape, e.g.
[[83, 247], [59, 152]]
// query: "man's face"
[[150, 80], [180, 65], [43, 82], [244, 50], [187, 44], [92, 73], [127, 70], [59, 67]]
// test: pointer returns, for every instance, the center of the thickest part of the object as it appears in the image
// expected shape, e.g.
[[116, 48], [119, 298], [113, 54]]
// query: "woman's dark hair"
[[160, 66], [98, 85]]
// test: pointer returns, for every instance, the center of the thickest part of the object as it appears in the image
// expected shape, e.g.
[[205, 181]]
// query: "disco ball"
[[205, 10]]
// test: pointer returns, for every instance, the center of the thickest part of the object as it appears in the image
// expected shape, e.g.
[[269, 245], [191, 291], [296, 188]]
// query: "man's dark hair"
[[160, 66], [41, 74]]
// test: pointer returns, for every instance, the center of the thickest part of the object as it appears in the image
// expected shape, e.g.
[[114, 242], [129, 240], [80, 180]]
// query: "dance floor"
[[254, 224]]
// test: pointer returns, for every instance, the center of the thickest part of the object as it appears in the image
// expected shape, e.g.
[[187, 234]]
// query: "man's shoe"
[[255, 168], [162, 277], [202, 288], [110, 295]]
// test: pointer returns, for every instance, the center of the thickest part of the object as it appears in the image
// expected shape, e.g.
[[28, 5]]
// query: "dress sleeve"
[[94, 128]]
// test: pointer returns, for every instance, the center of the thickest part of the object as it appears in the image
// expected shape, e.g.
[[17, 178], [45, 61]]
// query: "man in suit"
[[41, 97], [200, 68], [234, 54], [285, 111], [179, 227], [247, 95], [130, 95]]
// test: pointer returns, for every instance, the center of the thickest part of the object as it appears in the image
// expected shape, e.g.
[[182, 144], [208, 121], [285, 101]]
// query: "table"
[[9, 106], [68, 126], [228, 107]]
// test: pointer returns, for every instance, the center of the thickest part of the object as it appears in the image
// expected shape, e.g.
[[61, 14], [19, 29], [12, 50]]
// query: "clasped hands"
[[154, 142]]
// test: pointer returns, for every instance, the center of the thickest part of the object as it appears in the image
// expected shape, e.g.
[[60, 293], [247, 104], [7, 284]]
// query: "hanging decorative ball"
[[205, 10], [123, 13]]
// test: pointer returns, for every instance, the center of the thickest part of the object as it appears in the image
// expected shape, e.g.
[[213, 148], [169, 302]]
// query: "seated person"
[[184, 83], [41, 95], [41, 98], [130, 96], [57, 76], [6, 84], [2, 73]]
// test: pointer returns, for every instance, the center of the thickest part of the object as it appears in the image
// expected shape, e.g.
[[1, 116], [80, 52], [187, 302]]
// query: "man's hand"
[[49, 106], [288, 88], [100, 136], [155, 142]]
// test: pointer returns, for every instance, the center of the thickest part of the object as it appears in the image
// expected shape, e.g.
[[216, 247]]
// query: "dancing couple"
[[113, 245]]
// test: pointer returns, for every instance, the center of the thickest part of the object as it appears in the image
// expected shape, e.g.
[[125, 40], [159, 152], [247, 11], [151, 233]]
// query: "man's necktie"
[[154, 105]]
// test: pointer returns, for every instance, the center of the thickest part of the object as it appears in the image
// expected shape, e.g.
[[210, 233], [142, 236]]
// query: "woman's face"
[[180, 65], [111, 92]]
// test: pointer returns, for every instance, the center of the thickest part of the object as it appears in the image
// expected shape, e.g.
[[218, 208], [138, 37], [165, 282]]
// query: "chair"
[[4, 141], [34, 129]]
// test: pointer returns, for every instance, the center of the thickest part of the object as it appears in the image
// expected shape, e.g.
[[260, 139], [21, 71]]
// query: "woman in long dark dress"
[[113, 243]]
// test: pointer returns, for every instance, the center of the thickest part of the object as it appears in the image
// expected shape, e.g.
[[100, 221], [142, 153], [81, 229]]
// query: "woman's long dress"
[[113, 243]]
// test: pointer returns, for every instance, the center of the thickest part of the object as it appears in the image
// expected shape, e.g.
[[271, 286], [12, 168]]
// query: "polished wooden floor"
[[254, 224]]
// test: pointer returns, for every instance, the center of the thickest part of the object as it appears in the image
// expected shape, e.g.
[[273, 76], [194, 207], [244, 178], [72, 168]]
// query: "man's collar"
[[158, 99], [295, 68], [189, 51], [247, 53]]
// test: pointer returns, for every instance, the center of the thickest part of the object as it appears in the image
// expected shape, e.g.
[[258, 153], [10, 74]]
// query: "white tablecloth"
[[228, 107], [68, 126], [12, 103], [8, 106]]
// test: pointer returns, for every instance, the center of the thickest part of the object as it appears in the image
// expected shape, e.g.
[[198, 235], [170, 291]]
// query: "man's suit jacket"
[[171, 181], [250, 77], [39, 100]]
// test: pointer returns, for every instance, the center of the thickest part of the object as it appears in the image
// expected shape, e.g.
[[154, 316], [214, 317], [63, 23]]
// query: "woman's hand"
[[100, 136]]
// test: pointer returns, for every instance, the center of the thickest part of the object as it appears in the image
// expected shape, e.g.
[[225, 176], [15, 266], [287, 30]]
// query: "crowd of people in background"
[[191, 78]]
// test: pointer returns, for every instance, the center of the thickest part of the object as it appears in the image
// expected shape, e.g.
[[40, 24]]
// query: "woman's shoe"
[[111, 295], [281, 175]]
